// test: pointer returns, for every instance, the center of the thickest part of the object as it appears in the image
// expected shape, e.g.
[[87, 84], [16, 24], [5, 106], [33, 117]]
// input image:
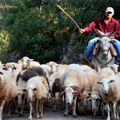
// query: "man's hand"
[[81, 31], [112, 37]]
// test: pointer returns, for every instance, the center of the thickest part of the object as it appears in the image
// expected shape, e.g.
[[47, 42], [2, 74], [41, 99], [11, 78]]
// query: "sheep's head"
[[25, 62], [105, 84], [30, 92], [70, 94]]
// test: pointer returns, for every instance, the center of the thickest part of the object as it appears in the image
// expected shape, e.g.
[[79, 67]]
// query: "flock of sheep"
[[29, 82]]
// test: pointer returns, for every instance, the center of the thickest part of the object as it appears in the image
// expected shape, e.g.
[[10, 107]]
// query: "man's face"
[[109, 15]]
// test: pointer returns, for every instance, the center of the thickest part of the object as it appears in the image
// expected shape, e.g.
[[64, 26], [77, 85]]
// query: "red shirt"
[[102, 26]]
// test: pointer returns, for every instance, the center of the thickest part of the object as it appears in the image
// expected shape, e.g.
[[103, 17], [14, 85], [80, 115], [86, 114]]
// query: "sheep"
[[95, 95], [55, 77], [62, 67], [53, 65], [26, 62], [110, 93], [114, 67], [84, 67], [12, 66], [22, 78], [31, 72], [56, 67], [47, 69], [74, 83], [91, 75], [54, 86], [8, 89], [37, 89]]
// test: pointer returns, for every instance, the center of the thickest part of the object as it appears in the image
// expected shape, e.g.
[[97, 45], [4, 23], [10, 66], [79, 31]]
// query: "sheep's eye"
[[28, 60]]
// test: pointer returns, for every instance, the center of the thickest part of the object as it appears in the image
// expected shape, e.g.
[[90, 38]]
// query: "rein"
[[102, 63]]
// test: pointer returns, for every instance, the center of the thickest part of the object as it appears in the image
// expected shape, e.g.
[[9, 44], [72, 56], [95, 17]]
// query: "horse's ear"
[[111, 34], [99, 32]]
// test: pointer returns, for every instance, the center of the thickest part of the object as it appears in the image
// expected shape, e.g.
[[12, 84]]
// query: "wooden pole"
[[68, 15]]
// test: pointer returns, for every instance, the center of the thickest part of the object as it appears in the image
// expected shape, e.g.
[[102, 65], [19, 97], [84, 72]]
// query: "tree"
[[39, 30]]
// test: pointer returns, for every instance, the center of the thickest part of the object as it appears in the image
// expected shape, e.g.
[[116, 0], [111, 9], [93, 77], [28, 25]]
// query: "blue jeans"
[[91, 44]]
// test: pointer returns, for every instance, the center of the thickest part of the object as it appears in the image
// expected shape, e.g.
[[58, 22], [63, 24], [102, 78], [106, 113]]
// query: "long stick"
[[68, 15]]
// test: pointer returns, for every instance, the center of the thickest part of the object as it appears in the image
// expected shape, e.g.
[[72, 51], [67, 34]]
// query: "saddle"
[[97, 49]]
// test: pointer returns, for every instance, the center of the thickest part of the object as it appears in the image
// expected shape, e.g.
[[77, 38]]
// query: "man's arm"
[[89, 28], [117, 28]]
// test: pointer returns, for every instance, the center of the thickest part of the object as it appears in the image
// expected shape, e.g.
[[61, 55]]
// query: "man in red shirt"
[[106, 24]]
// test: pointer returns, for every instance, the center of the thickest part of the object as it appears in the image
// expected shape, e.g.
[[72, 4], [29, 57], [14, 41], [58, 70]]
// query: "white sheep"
[[91, 75], [62, 67], [53, 65], [22, 78], [47, 69], [74, 83], [55, 77], [8, 88], [56, 67], [26, 62], [95, 95], [54, 86], [114, 67], [37, 89], [110, 93]]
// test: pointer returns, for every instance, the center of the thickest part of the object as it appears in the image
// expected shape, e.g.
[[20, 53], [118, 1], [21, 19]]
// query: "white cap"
[[109, 9]]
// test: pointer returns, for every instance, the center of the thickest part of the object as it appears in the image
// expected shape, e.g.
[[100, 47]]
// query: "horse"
[[103, 52]]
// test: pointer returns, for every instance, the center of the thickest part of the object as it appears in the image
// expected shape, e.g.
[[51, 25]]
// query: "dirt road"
[[50, 115]]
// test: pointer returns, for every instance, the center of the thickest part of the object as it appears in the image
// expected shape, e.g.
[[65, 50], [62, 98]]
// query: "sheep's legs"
[[37, 113], [114, 110], [66, 110], [117, 113], [94, 107], [108, 111], [2, 102], [74, 108], [41, 108], [31, 107]]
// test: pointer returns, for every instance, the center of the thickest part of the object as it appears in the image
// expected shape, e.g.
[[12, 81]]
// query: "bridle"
[[104, 64]]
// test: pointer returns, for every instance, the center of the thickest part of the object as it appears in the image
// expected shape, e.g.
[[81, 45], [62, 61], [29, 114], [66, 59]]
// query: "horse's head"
[[104, 44]]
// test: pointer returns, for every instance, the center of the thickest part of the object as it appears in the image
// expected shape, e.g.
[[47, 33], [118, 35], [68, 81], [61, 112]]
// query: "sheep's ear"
[[1, 73], [4, 68], [35, 89], [24, 90], [99, 82], [4, 65], [14, 68], [31, 59], [111, 81], [19, 61], [75, 93]]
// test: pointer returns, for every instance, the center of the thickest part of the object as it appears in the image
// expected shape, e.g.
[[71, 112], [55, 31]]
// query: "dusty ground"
[[50, 115]]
